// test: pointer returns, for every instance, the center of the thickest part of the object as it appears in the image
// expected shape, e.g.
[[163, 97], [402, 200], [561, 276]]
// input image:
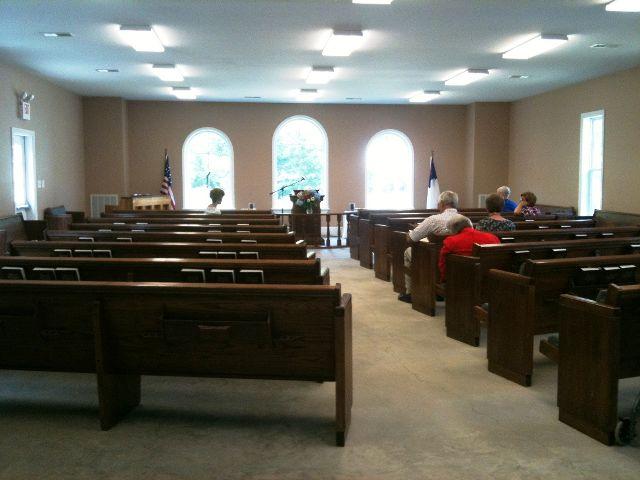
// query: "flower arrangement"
[[307, 199]]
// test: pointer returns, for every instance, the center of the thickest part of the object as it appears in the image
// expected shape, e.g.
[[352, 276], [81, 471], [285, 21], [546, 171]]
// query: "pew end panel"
[[510, 333], [381, 266], [425, 275], [365, 243], [398, 244], [344, 368], [462, 291]]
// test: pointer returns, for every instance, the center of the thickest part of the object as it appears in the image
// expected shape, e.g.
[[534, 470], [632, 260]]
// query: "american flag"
[[167, 181]]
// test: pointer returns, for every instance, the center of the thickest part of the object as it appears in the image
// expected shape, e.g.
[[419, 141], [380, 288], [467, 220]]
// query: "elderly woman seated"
[[527, 205], [463, 238], [495, 222], [216, 195]]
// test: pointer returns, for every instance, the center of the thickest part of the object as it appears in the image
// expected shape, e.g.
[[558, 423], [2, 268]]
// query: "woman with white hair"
[[509, 205]]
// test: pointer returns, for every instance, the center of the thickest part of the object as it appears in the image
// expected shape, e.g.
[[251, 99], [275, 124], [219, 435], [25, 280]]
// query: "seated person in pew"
[[463, 237], [527, 205], [433, 225], [495, 222], [216, 195], [509, 205]]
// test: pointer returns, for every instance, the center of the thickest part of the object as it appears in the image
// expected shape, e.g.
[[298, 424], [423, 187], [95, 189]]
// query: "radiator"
[[99, 200], [481, 199]]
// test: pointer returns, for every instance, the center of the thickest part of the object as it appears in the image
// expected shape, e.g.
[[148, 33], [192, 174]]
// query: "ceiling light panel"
[[468, 76], [373, 2], [623, 6], [57, 34], [308, 94], [107, 70], [184, 93], [141, 38], [320, 75], [424, 97], [167, 72], [536, 46], [342, 43]]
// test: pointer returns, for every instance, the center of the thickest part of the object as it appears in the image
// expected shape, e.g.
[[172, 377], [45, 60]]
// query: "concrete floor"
[[425, 407]]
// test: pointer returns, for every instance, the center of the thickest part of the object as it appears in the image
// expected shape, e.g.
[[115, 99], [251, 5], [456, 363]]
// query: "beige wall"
[[154, 126], [545, 133], [56, 119]]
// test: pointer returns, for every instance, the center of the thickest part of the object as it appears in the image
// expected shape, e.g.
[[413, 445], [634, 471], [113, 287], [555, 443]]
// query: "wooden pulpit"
[[306, 225]]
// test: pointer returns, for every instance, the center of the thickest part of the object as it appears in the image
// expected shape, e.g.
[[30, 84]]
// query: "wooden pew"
[[179, 227], [521, 306], [302, 272], [608, 218], [187, 213], [233, 237], [121, 331], [213, 222], [15, 227], [163, 249], [59, 217], [468, 284], [352, 235], [599, 344]]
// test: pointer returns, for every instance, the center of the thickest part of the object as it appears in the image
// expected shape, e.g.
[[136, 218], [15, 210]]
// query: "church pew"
[[521, 306], [599, 344], [237, 237], [192, 220], [468, 284], [179, 227], [608, 218], [163, 249], [352, 235], [121, 331], [15, 227], [303, 272], [187, 213]]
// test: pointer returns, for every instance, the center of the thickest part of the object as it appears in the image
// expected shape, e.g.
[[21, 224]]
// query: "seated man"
[[433, 225], [463, 237], [509, 205]]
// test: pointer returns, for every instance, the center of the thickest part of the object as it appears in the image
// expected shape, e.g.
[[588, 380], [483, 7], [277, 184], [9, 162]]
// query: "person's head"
[[494, 203], [529, 198], [447, 199], [457, 223], [216, 195], [504, 191]]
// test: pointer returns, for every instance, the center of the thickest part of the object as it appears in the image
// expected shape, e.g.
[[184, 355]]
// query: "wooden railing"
[[318, 231]]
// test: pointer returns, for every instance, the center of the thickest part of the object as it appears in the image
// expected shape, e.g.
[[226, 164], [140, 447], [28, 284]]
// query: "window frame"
[[408, 141], [231, 195], [30, 209], [585, 173], [325, 179]]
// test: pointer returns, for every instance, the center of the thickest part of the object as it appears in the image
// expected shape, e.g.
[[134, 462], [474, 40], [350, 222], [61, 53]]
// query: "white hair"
[[504, 191], [449, 199], [458, 222]]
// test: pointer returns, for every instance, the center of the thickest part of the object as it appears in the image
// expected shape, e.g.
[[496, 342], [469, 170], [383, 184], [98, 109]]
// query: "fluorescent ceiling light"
[[519, 77], [167, 72], [623, 6], [342, 43], [373, 2], [141, 38], [320, 75], [424, 97], [184, 93], [536, 46], [468, 76], [57, 34], [307, 94], [107, 70]]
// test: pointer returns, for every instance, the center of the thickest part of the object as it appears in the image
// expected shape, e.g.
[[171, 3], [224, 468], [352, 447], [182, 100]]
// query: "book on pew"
[[85, 239], [588, 276], [105, 230], [248, 241], [142, 223], [43, 273], [193, 275], [243, 231], [227, 255], [102, 254], [214, 231], [137, 230], [83, 253], [611, 274], [242, 224], [124, 239], [68, 274], [627, 275], [250, 276], [62, 252], [119, 223], [206, 254], [249, 255], [214, 240], [12, 273], [217, 275], [215, 224]]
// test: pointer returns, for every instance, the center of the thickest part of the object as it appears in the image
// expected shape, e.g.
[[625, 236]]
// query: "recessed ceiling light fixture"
[[184, 93], [354, 99], [519, 77], [373, 2], [308, 94], [107, 70], [320, 75], [253, 98], [468, 76], [57, 34], [342, 43], [623, 6], [424, 97], [535, 46], [167, 72], [141, 38]]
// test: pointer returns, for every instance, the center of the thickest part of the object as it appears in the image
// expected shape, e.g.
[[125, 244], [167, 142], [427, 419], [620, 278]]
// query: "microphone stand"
[[281, 191]]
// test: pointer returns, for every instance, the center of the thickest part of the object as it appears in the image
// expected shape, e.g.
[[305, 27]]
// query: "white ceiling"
[[231, 49]]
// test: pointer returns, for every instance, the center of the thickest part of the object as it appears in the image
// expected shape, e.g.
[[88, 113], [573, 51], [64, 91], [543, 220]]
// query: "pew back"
[[135, 236]]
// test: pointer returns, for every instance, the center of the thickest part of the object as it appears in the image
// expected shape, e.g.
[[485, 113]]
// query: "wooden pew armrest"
[[324, 274]]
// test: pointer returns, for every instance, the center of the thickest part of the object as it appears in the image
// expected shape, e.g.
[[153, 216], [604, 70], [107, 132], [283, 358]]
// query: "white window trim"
[[581, 185], [232, 194], [327, 197], [408, 141], [30, 211]]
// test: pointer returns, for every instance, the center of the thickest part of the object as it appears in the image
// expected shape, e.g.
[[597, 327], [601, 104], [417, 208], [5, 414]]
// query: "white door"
[[24, 172]]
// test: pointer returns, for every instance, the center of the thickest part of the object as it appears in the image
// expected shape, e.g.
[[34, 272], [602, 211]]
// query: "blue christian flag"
[[433, 189]]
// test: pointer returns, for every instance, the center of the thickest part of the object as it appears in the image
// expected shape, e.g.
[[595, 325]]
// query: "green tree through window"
[[299, 150]]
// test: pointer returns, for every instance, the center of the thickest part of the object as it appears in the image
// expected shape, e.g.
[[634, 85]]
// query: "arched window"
[[389, 171], [300, 149], [207, 162]]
